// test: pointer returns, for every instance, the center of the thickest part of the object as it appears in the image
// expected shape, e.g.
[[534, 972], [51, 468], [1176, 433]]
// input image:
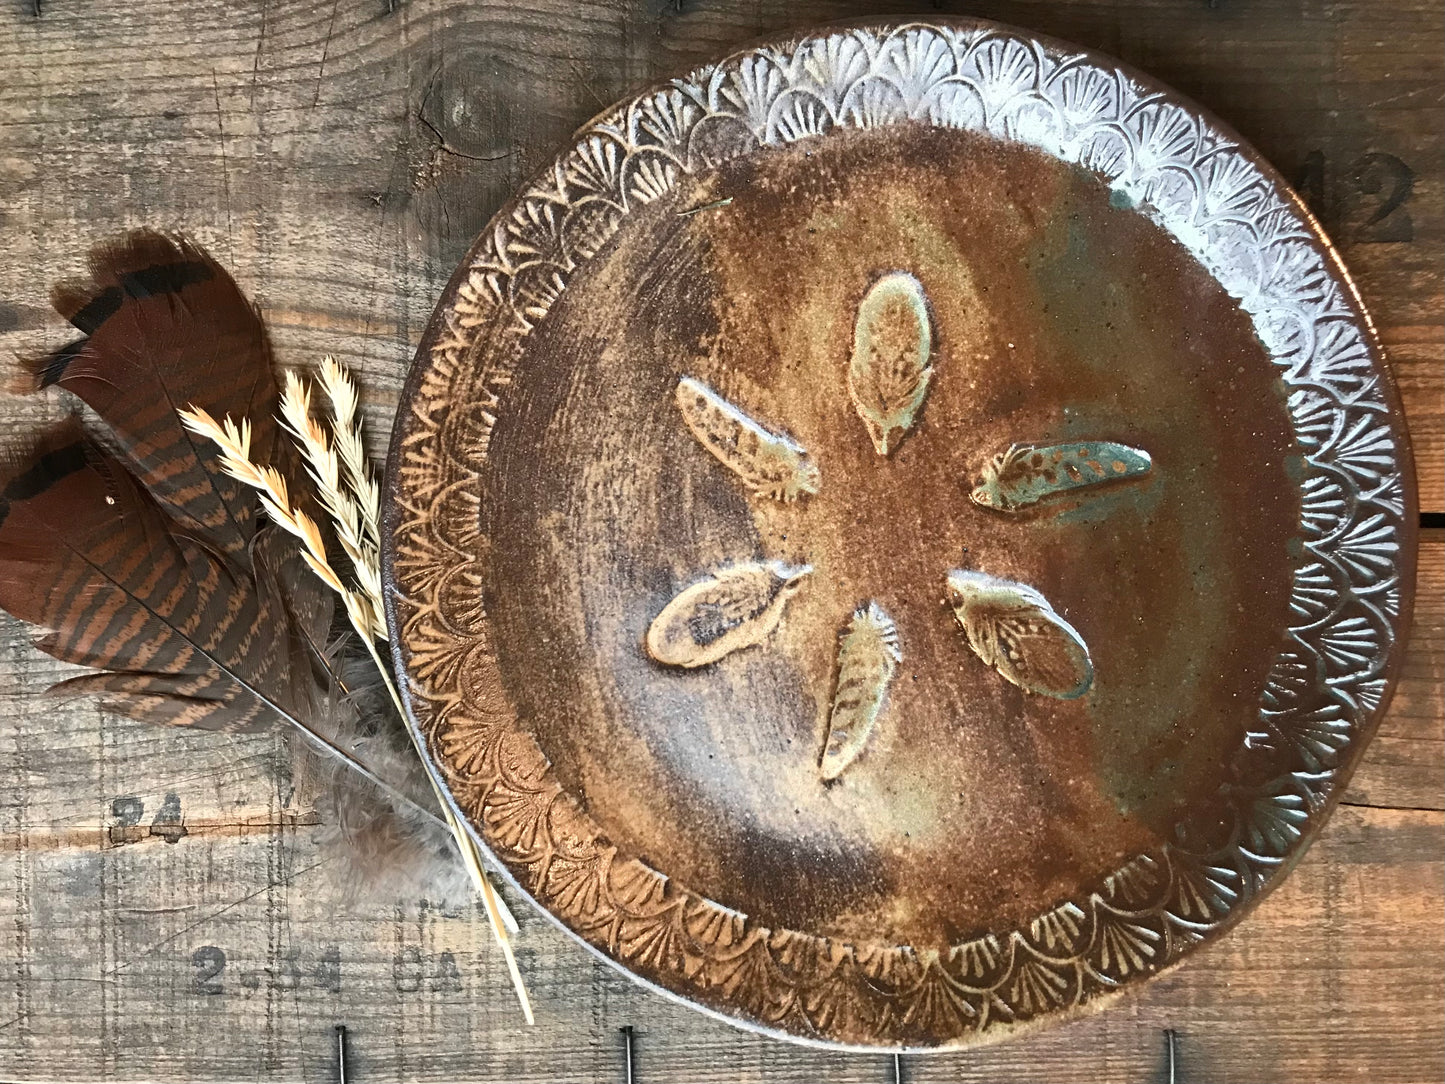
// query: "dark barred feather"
[[179, 634], [143, 561], [164, 325]]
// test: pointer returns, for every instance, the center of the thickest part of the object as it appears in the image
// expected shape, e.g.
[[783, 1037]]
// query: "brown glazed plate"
[[899, 534]]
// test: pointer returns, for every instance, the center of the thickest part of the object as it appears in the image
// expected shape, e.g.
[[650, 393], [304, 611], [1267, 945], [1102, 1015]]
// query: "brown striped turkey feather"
[[142, 559], [164, 325], [180, 633]]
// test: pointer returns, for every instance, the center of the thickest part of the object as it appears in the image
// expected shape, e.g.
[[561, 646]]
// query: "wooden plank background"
[[165, 912]]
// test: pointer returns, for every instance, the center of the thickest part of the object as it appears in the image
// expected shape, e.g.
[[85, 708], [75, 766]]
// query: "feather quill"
[[143, 560]]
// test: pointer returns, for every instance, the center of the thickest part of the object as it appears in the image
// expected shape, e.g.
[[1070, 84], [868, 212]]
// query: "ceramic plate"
[[899, 534]]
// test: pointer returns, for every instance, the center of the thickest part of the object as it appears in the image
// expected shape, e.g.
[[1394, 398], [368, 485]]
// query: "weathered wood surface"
[[166, 912]]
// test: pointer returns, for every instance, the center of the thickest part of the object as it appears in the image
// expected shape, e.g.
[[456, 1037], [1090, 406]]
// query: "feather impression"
[[892, 358], [1024, 474], [1012, 627], [732, 609], [767, 462], [145, 561], [868, 657]]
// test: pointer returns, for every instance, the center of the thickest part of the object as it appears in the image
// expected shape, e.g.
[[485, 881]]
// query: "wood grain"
[[339, 159]]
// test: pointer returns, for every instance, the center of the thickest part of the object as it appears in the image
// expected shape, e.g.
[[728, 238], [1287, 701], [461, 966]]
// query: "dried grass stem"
[[337, 463]]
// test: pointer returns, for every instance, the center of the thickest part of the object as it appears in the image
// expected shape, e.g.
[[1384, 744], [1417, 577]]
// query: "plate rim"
[[447, 350]]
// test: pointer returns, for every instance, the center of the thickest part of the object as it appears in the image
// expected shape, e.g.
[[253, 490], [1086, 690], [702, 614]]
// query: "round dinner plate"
[[899, 534]]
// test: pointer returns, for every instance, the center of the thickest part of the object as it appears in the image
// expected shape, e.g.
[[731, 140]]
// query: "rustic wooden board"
[[339, 158]]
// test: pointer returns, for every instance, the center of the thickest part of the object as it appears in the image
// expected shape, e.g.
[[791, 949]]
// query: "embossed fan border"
[[1352, 585]]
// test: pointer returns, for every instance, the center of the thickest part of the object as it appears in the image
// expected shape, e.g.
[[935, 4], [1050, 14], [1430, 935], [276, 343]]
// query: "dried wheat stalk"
[[355, 509], [341, 390], [341, 501]]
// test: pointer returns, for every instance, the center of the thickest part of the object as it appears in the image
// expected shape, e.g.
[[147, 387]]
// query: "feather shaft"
[[500, 918]]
